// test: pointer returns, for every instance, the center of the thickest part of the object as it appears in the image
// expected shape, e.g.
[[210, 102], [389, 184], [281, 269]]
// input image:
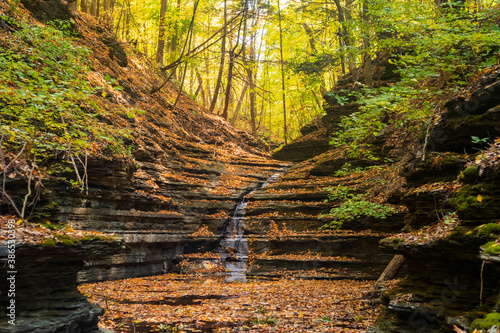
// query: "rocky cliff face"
[[172, 196], [44, 288], [449, 186], [449, 283], [188, 168]]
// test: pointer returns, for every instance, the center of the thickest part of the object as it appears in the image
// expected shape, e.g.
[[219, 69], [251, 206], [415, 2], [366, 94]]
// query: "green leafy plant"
[[476, 139], [353, 206], [48, 112], [450, 218], [271, 321]]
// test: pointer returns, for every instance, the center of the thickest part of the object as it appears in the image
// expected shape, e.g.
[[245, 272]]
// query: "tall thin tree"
[[161, 34], [285, 128], [222, 59]]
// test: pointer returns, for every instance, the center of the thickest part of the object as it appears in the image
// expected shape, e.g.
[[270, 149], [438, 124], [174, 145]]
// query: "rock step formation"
[[284, 227], [46, 296]]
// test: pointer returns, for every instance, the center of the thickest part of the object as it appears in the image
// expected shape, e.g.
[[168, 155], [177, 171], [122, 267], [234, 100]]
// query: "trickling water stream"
[[234, 246]]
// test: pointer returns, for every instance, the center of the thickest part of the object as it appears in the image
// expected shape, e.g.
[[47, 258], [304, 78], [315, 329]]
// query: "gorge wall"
[[171, 201], [448, 184], [172, 196]]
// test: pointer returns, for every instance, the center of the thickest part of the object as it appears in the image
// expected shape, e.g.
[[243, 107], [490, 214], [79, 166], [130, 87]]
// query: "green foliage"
[[353, 206], [450, 218], [314, 64], [51, 226], [324, 319], [492, 248], [436, 54], [488, 230], [46, 97], [476, 139], [66, 240], [271, 321], [482, 325], [347, 169]]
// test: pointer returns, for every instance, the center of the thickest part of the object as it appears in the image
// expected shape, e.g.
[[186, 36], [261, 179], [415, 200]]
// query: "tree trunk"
[[229, 83], [391, 270], [160, 50], [84, 6], [146, 40], [232, 57], [351, 57], [93, 7], [285, 128], [222, 59], [201, 89], [342, 57], [240, 103], [368, 65], [251, 83], [117, 30], [127, 26], [174, 40], [345, 36], [207, 72], [314, 51]]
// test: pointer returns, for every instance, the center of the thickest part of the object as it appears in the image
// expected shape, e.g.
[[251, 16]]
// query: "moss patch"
[[66, 240], [101, 238], [470, 174], [491, 230], [48, 242], [492, 248], [477, 204], [492, 319]]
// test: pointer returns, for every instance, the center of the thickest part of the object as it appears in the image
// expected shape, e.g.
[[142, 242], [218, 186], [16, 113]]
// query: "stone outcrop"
[[284, 228], [46, 296], [475, 114], [448, 283]]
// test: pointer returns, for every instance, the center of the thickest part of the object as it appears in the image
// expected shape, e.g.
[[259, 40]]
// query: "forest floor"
[[194, 303]]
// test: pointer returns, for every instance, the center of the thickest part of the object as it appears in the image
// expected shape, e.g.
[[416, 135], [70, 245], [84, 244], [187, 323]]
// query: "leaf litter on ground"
[[191, 303]]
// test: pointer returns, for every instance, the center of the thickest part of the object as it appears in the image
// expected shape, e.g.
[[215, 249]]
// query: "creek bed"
[[195, 303]]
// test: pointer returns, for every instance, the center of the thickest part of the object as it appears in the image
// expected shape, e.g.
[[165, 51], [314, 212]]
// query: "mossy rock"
[[66, 240], [492, 319], [490, 230], [478, 204], [470, 174], [391, 242], [90, 238], [48, 242], [492, 248]]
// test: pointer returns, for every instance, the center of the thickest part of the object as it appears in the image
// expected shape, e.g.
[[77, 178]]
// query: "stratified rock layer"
[[448, 282], [46, 296]]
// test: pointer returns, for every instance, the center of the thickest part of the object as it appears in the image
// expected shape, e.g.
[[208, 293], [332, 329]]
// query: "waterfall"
[[234, 245]]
